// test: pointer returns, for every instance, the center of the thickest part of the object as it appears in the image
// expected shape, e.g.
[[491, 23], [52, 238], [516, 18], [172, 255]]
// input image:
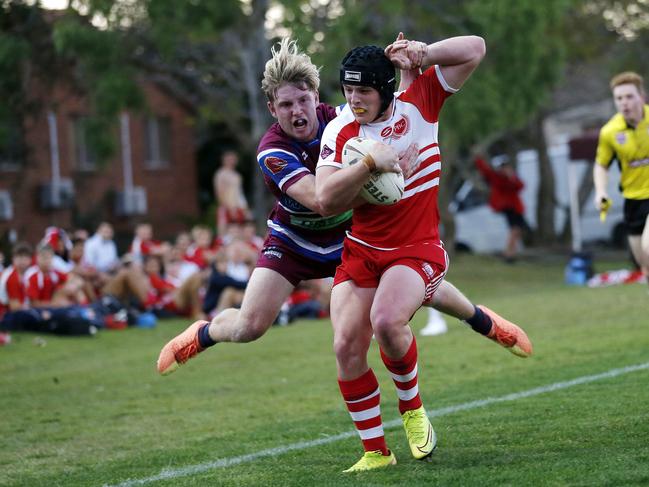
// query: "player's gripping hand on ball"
[[382, 158], [408, 160]]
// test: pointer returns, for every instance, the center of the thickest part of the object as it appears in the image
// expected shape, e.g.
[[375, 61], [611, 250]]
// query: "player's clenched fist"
[[383, 158]]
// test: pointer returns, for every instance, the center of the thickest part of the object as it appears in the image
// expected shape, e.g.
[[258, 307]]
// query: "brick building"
[[58, 180]]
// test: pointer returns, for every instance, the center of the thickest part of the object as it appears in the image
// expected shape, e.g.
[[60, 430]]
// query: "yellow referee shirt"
[[630, 146]]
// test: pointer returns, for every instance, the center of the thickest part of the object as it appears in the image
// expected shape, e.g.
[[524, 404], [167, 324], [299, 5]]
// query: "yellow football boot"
[[420, 433], [372, 460]]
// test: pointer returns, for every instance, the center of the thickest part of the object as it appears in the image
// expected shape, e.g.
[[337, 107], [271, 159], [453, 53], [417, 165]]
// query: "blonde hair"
[[289, 65], [630, 78]]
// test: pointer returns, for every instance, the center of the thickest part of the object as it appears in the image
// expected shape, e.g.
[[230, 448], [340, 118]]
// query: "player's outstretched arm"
[[457, 57]]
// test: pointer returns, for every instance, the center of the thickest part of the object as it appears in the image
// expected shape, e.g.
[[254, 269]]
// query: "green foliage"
[[69, 48], [328, 31], [524, 61], [104, 69], [13, 53], [525, 54], [171, 22]]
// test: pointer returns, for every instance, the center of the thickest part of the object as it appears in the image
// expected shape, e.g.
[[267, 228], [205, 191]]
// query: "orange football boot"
[[507, 334], [180, 349]]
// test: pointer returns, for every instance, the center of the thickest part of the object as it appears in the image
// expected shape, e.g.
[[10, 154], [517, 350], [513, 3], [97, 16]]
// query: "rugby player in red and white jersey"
[[301, 244], [393, 260]]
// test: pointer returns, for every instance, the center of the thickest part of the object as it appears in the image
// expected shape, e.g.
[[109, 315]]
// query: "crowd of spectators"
[[71, 282]]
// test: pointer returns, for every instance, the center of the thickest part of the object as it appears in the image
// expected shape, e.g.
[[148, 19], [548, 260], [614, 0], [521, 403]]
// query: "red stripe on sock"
[[412, 404], [363, 405], [404, 366], [356, 390], [368, 423], [404, 386]]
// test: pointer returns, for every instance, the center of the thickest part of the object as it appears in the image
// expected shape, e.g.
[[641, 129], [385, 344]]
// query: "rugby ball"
[[383, 188]]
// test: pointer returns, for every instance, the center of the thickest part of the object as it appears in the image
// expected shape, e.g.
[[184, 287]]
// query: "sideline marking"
[[168, 474]]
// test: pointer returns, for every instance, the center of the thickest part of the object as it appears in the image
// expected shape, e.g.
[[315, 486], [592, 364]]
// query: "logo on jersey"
[[398, 130], [620, 138], [325, 152], [401, 127], [275, 164], [639, 163]]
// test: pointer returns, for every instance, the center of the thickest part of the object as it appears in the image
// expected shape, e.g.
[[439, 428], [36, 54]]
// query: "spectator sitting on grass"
[[202, 250], [41, 279], [58, 240], [144, 244], [13, 295], [100, 252]]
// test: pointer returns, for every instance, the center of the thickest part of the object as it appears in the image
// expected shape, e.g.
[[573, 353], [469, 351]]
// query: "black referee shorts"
[[635, 215]]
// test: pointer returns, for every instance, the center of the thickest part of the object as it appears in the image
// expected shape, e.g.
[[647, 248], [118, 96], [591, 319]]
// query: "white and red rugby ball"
[[383, 188]]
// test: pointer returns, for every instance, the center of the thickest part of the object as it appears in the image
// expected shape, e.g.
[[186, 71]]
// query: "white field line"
[[169, 474]]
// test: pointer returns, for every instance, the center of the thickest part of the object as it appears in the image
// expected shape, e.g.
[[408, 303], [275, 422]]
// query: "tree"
[[212, 54], [505, 94], [208, 53], [25, 54]]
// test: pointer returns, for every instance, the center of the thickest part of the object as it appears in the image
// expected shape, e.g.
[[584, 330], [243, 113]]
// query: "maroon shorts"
[[365, 265], [280, 257]]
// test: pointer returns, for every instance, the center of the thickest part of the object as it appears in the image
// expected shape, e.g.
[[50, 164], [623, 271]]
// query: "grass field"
[[93, 411]]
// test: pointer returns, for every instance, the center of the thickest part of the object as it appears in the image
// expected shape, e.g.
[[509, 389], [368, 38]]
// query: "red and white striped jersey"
[[40, 285], [414, 119], [12, 287]]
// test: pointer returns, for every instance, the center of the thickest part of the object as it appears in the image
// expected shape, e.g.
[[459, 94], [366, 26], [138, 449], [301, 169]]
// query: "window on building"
[[12, 148], [84, 155], [157, 136], [6, 206]]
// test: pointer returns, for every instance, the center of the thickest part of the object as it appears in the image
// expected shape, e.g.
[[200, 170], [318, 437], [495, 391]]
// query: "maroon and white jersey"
[[414, 119], [284, 161]]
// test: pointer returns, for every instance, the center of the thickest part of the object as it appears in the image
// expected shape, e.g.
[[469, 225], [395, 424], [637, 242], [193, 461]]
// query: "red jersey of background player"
[[12, 288], [40, 285], [414, 119], [504, 188]]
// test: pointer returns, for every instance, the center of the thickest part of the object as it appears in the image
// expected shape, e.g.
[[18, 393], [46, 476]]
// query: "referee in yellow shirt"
[[625, 138]]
